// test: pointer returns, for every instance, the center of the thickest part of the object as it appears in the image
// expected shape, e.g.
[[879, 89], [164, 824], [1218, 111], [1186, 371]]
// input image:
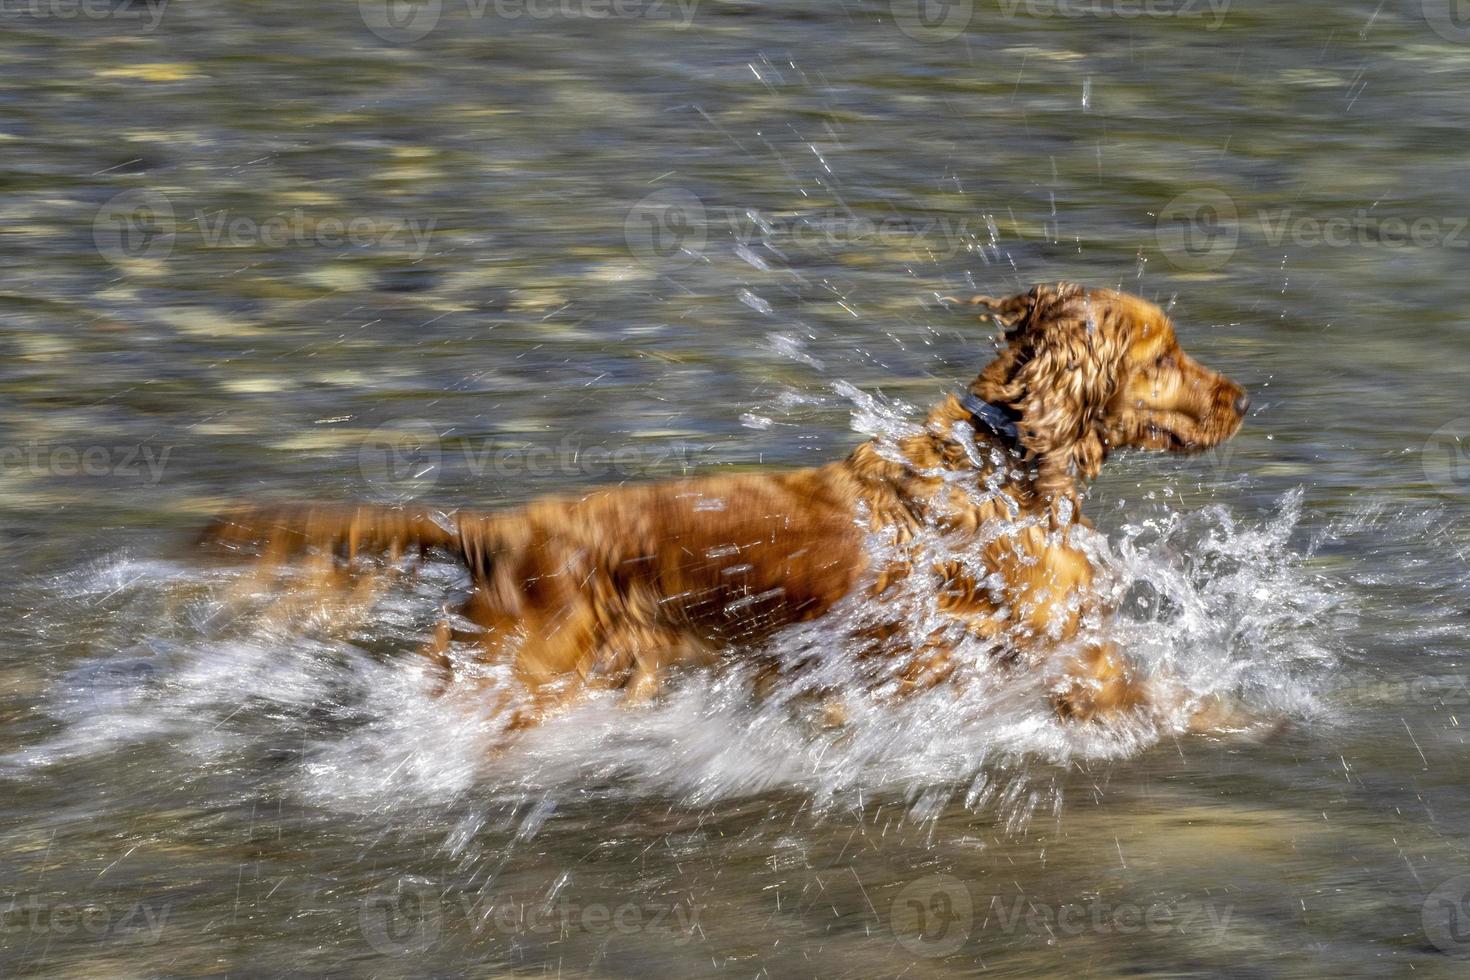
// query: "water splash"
[[349, 720]]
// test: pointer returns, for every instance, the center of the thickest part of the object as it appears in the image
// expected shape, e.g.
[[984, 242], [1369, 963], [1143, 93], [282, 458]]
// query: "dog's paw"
[[1223, 716]]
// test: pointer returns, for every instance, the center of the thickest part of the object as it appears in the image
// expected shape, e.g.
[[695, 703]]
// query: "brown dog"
[[614, 587]]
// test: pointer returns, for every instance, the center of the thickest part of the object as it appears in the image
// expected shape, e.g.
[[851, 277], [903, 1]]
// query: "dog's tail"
[[344, 531], [335, 560]]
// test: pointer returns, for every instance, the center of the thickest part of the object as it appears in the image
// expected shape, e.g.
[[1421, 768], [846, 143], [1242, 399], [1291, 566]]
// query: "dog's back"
[[617, 577]]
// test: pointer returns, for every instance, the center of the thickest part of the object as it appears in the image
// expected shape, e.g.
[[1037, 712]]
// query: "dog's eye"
[[1166, 361]]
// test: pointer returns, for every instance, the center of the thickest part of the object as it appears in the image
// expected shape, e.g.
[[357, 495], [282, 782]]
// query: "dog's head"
[[1087, 371]]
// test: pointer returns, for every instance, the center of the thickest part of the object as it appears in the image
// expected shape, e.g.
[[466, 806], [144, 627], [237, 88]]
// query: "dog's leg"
[[637, 658], [525, 702], [631, 659], [1223, 715], [822, 707], [436, 652], [546, 701], [643, 686], [1098, 686], [929, 666], [478, 620]]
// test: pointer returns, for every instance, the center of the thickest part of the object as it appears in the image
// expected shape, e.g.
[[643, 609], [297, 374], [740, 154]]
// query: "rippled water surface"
[[259, 250]]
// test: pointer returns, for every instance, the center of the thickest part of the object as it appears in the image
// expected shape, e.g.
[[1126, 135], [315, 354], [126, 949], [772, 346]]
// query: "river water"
[[477, 252]]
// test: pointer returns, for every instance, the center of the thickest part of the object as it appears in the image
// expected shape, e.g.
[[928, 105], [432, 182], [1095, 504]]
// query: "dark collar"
[[986, 417]]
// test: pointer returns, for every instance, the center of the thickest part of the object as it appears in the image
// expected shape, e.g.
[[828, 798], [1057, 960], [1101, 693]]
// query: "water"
[[625, 248]]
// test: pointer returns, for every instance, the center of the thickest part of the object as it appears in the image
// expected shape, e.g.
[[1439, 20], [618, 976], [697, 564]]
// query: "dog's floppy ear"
[[1056, 372]]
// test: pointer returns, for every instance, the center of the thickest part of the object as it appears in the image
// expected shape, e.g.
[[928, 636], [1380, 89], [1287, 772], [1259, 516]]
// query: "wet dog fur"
[[616, 587]]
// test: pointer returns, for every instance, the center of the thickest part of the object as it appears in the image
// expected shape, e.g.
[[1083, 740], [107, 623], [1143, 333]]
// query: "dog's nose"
[[1242, 404]]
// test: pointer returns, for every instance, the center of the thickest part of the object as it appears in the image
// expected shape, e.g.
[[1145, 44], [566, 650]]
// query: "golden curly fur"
[[616, 586]]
